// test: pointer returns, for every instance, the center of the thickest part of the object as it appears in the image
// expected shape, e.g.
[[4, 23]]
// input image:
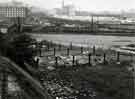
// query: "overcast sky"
[[89, 5]]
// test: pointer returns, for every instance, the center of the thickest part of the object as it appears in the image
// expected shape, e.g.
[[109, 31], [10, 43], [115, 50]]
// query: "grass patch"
[[112, 81]]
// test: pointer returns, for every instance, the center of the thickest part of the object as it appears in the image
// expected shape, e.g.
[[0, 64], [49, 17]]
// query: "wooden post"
[[68, 51], [132, 58], [59, 47], [40, 51], [89, 58], [81, 49], [118, 56], [54, 52], [56, 61], [4, 84], [48, 47], [94, 50], [51, 43], [73, 62], [92, 23], [71, 46], [36, 48], [104, 58], [18, 25], [37, 62]]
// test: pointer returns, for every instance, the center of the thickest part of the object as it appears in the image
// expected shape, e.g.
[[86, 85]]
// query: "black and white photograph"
[[67, 49]]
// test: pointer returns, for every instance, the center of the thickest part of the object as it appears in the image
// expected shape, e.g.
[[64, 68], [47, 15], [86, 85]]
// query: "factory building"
[[14, 12]]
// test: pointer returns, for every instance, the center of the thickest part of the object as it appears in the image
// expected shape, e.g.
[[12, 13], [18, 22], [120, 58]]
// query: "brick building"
[[15, 12]]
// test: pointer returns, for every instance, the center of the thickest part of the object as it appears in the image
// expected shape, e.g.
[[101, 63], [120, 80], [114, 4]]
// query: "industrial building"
[[14, 12]]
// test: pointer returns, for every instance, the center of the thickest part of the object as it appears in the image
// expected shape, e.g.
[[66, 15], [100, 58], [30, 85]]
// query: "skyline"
[[86, 5]]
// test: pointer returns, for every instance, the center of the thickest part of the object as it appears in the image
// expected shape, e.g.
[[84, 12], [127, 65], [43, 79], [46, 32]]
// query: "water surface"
[[86, 40]]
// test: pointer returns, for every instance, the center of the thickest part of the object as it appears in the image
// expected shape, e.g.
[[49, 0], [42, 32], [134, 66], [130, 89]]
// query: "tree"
[[4, 44], [21, 50]]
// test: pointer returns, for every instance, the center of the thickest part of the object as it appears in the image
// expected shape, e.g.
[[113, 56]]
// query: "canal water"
[[86, 40]]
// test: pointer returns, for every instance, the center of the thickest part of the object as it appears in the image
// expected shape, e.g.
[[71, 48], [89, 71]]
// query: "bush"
[[20, 49]]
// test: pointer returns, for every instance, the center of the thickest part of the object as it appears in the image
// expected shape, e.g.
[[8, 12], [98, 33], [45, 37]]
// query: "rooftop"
[[13, 4]]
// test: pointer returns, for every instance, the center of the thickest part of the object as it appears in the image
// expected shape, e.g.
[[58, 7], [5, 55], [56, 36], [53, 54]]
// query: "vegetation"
[[17, 47], [4, 44], [22, 49], [111, 81]]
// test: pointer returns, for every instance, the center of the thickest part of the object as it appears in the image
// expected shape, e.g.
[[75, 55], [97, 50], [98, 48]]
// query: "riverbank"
[[86, 40], [100, 33]]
